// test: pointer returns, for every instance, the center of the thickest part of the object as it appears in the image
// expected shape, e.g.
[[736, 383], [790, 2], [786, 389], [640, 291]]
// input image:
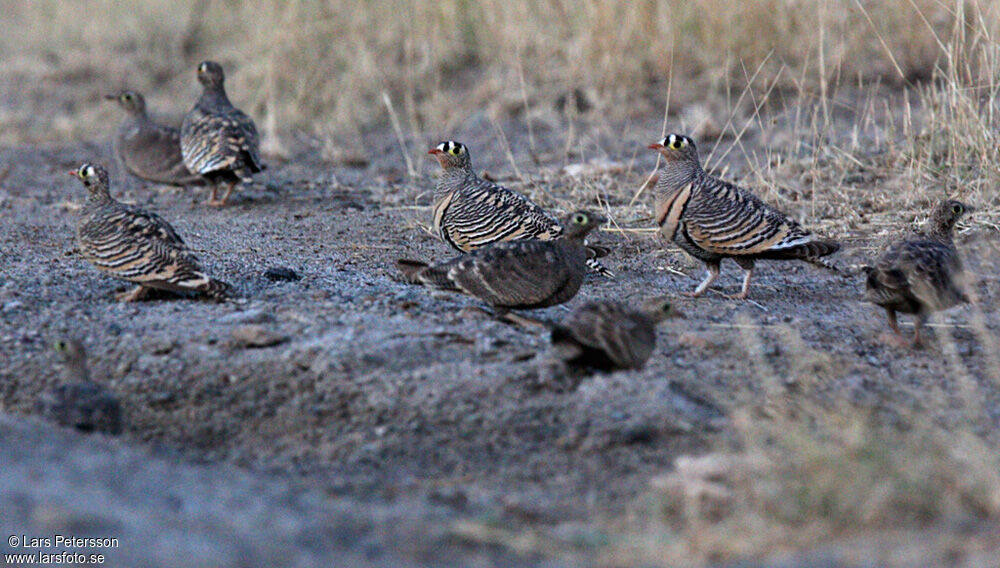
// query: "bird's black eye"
[[127, 96], [678, 143], [456, 150], [579, 219], [956, 209], [60, 345]]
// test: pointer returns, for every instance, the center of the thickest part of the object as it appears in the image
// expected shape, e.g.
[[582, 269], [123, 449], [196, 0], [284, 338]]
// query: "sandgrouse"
[[919, 274], [135, 245], [521, 274], [471, 212], [79, 402], [712, 219], [149, 150], [218, 141], [609, 335]]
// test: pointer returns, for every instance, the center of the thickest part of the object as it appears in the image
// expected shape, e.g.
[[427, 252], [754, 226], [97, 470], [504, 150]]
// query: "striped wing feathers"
[[140, 247], [214, 141], [924, 272], [729, 221], [725, 220], [481, 213], [624, 337], [516, 274]]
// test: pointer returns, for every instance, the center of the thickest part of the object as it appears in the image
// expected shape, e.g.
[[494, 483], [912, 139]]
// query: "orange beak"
[[655, 146], [435, 151], [74, 174]]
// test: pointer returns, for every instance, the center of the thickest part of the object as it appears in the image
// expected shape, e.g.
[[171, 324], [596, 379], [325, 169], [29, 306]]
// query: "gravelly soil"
[[383, 414]]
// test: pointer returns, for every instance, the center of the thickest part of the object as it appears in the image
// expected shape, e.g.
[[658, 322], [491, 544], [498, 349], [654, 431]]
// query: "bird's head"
[[660, 308], [94, 178], [676, 148], [946, 214], [451, 154], [131, 101], [210, 74], [579, 223]]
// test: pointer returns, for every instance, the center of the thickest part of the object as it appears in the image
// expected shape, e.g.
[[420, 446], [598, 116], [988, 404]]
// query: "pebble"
[[256, 336]]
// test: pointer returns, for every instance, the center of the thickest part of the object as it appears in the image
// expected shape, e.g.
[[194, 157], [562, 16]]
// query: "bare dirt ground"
[[381, 424]]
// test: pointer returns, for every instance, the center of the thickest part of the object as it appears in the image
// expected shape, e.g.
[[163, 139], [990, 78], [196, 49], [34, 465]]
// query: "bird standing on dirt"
[[79, 402], [515, 275], [609, 335], [712, 219], [471, 212], [135, 245], [149, 150], [218, 141], [920, 274]]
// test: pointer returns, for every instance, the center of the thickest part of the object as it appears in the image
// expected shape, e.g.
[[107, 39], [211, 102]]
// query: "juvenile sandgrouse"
[[149, 150], [515, 275], [919, 274], [79, 402], [608, 335], [712, 219], [471, 212], [218, 141], [135, 245]]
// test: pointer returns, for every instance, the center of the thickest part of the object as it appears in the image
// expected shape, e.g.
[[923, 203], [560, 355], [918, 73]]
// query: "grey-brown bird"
[[471, 212], [80, 402], [920, 274], [712, 219], [137, 246], [515, 275], [146, 148], [218, 141], [609, 335]]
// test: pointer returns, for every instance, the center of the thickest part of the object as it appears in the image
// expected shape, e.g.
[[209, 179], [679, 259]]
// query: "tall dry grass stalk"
[[301, 63]]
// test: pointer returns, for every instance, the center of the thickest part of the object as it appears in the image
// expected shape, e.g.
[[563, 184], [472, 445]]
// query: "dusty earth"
[[378, 423]]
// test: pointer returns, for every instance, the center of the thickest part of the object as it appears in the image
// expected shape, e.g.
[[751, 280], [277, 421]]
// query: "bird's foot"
[[738, 296], [695, 294], [896, 341], [216, 203], [134, 295]]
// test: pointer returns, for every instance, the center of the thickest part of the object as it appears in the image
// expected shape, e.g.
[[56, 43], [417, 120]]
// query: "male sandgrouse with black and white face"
[[920, 274], [137, 246], [218, 141], [148, 149], [515, 275], [471, 212], [79, 402], [712, 219], [608, 335]]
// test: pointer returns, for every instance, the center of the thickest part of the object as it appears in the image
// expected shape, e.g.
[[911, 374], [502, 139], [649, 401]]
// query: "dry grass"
[[862, 113]]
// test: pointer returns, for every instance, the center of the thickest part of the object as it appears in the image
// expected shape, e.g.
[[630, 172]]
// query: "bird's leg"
[[520, 320], [917, 326], [134, 295], [747, 266], [229, 192], [215, 194], [895, 338], [713, 273]]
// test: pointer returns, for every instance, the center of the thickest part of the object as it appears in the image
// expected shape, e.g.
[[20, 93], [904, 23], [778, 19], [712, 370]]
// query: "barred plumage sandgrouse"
[[219, 141], [920, 274], [471, 212], [609, 335], [712, 219], [523, 274], [79, 402], [149, 150], [135, 245]]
